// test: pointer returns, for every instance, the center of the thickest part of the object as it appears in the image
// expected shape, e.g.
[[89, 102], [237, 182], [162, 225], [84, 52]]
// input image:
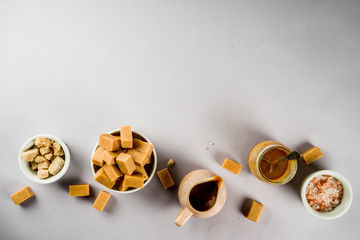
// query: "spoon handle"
[[294, 155]]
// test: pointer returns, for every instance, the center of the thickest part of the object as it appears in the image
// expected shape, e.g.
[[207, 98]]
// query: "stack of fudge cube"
[[120, 162]]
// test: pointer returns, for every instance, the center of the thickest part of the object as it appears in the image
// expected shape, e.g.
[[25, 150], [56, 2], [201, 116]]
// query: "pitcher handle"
[[183, 216]]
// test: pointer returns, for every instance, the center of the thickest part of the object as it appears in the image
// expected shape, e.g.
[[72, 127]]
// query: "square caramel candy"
[[139, 158], [143, 147], [311, 155], [232, 166], [125, 163], [109, 142], [136, 180], [80, 190], [98, 157], [101, 200], [142, 171], [22, 195], [120, 185], [102, 178], [110, 157], [165, 178], [126, 137], [255, 211], [112, 171]]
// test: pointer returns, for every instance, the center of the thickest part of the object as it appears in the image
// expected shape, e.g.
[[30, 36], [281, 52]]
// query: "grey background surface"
[[183, 73]]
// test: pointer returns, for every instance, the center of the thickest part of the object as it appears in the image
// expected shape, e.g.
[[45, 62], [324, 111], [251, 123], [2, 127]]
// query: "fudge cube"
[[126, 137], [143, 147], [30, 155], [232, 166], [22, 195], [112, 171], [311, 155], [120, 185], [125, 163], [139, 158], [98, 157], [136, 180], [255, 211], [80, 190], [102, 178], [170, 162], [110, 157], [109, 142], [165, 178], [101, 200], [142, 171], [56, 165]]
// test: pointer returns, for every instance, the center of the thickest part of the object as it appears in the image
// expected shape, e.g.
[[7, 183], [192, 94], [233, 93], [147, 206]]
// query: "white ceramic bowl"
[[344, 204], [153, 170], [31, 174]]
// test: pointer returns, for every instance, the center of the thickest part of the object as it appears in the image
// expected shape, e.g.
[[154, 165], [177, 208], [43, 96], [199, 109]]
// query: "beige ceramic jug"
[[202, 194]]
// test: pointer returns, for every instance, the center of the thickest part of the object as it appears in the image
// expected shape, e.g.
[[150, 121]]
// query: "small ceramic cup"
[[31, 174], [344, 204], [154, 164]]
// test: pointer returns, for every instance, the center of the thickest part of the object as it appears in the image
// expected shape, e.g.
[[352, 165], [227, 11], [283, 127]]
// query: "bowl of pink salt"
[[326, 194]]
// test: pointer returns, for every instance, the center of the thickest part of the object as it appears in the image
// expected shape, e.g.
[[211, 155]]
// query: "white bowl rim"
[[345, 202], [29, 173], [151, 174]]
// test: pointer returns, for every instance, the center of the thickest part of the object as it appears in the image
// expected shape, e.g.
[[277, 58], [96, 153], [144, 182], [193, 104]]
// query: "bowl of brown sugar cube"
[[44, 158], [124, 161]]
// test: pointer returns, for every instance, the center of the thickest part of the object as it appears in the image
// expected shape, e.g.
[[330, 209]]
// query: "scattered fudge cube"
[[232, 166], [170, 162], [39, 159], [56, 165], [43, 165], [125, 163], [126, 137], [98, 157], [30, 155], [165, 178], [101, 200], [80, 190], [139, 158], [102, 178], [136, 180], [109, 142], [311, 155], [43, 173], [42, 142], [22, 195], [110, 157], [255, 211], [112, 171]]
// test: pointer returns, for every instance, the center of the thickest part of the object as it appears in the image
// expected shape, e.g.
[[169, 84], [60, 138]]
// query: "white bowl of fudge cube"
[[124, 161], [44, 158]]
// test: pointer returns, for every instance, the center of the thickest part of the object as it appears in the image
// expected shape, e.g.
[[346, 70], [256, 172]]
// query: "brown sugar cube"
[[22, 195], [136, 180], [79, 190], [165, 178], [42, 142], [139, 158], [143, 147], [110, 157], [112, 171], [231, 166], [101, 200], [125, 163], [30, 155], [255, 211], [311, 155], [98, 157], [120, 185], [142, 171], [109, 142], [126, 137], [102, 178]]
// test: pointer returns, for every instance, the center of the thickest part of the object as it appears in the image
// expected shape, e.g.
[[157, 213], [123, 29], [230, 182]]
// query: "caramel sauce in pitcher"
[[203, 196]]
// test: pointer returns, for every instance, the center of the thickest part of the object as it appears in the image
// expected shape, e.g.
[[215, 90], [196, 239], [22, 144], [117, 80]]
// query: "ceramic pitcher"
[[191, 188]]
